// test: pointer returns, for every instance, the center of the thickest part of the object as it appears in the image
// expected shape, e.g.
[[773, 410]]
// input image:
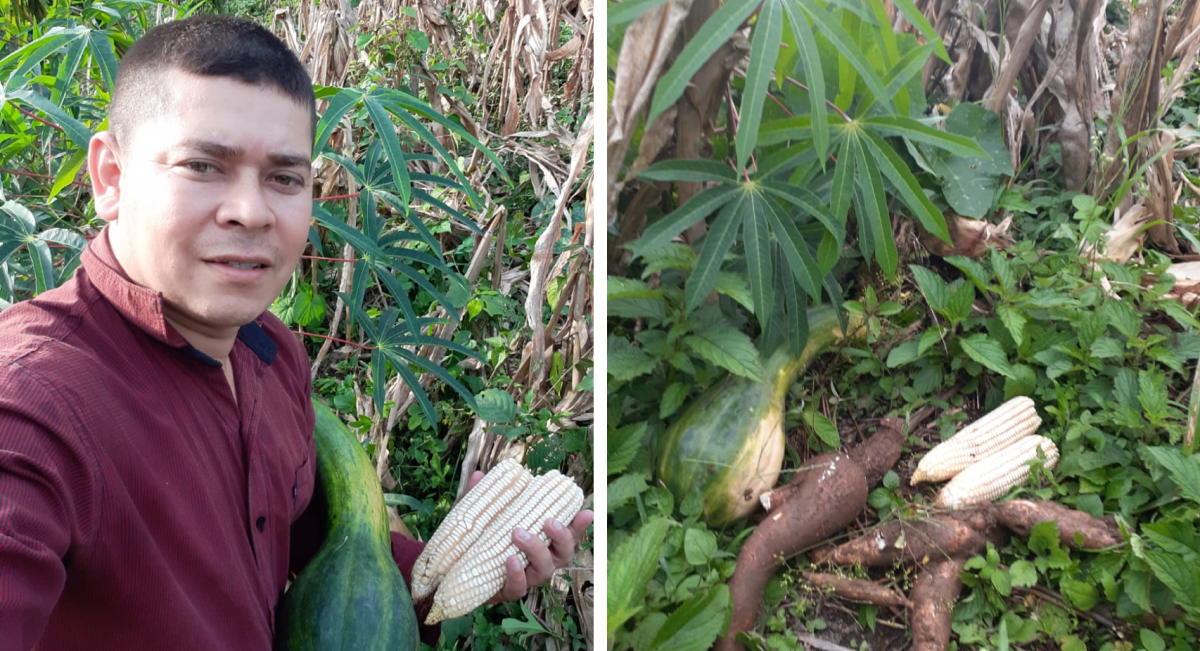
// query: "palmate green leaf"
[[717, 242], [67, 173], [421, 231], [758, 257], [723, 345], [917, 19], [832, 30], [630, 568], [391, 145], [693, 170], [894, 125], [30, 55], [773, 132], [810, 204], [894, 168], [104, 57], [906, 68], [712, 35], [67, 67], [75, 130], [795, 250], [339, 104], [764, 50], [986, 351], [842, 190], [620, 13], [810, 58], [698, 207], [873, 209], [697, 623], [43, 267], [428, 138]]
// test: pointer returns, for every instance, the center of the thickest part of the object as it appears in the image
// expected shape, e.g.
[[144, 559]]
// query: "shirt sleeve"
[[405, 553], [49, 502]]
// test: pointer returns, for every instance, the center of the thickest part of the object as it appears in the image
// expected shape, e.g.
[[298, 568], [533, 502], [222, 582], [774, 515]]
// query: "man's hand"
[[543, 559]]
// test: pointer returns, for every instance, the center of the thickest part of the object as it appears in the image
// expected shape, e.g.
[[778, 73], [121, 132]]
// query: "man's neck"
[[215, 345]]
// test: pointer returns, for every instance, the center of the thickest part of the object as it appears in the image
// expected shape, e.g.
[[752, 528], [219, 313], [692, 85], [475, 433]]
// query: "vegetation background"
[[1007, 192], [446, 296]]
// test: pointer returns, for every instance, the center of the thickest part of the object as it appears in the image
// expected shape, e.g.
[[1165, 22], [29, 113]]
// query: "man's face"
[[215, 200]]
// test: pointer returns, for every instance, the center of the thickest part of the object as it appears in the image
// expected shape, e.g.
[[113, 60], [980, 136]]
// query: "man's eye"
[[289, 181], [200, 167]]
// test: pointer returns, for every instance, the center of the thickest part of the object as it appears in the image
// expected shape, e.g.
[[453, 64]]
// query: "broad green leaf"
[[623, 446], [712, 35], [104, 57], [917, 19], [629, 298], [973, 184], [67, 173], [67, 67], [911, 193], [850, 51], [873, 210], [496, 406], [936, 291], [630, 567], [694, 170], [987, 352], [809, 203], [723, 345], [774, 132], [1014, 320], [625, 488], [620, 13], [906, 68], [626, 362], [894, 125], [1184, 469], [698, 207], [43, 267], [699, 545], [959, 306], [734, 286], [338, 105], [764, 50], [795, 249], [391, 145], [717, 243], [810, 58], [758, 256], [695, 625], [1024, 574], [76, 131], [842, 190], [672, 399], [1178, 574]]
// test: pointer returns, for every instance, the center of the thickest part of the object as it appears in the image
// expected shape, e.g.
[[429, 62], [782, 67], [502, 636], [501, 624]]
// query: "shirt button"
[[262, 521]]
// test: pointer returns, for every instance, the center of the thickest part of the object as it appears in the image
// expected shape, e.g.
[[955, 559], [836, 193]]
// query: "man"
[[156, 455]]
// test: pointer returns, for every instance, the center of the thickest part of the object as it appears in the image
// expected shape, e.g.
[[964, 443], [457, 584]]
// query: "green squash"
[[351, 594], [729, 443]]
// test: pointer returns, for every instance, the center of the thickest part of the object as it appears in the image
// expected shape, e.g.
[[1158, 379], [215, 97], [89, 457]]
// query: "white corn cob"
[[466, 522], [994, 475], [481, 572], [991, 433]]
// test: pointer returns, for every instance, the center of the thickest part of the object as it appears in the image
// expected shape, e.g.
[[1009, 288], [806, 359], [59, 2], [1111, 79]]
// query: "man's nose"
[[246, 203]]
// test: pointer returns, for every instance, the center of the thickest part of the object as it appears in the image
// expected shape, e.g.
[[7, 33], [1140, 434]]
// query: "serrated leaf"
[[633, 299], [759, 269], [672, 399], [1014, 320], [936, 291], [974, 271], [624, 488], [699, 545], [1184, 470], [725, 346], [736, 287], [623, 446], [824, 429], [911, 194], [626, 362], [697, 208], [695, 625], [1024, 574], [1082, 595], [959, 305], [712, 35], [764, 50], [630, 567], [987, 352], [717, 243], [693, 170], [810, 58]]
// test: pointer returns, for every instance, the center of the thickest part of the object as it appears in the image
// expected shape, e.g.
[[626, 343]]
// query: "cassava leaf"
[[764, 50]]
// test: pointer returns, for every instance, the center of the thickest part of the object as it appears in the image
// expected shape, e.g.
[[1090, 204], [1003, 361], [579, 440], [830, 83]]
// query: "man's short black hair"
[[209, 46]]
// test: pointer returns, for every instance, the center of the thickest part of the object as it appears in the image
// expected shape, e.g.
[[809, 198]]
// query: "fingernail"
[[514, 562], [522, 534], [555, 524]]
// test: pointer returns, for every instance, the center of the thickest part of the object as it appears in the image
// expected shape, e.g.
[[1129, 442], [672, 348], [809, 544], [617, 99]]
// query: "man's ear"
[[104, 166]]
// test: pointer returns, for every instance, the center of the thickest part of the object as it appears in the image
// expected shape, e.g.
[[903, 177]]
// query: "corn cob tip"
[[435, 615], [917, 477]]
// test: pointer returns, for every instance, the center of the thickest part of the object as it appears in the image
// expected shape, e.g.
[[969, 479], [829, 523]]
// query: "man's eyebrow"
[[226, 152]]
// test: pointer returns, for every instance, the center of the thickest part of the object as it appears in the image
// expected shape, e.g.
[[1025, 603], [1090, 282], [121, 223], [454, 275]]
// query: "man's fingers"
[[580, 524], [515, 585], [541, 564], [562, 542], [476, 477]]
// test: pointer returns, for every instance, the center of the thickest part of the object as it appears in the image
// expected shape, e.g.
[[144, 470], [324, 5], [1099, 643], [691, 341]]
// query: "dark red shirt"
[[140, 506]]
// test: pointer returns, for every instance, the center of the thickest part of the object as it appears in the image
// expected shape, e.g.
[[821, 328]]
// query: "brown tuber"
[[933, 599]]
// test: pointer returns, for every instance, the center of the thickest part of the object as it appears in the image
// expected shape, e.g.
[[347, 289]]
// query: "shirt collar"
[[143, 307]]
